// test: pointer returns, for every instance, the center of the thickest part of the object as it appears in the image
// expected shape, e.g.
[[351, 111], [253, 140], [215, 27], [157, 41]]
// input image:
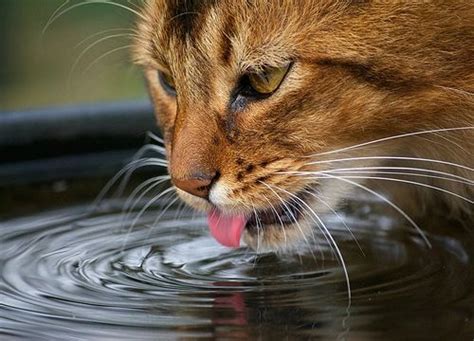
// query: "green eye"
[[167, 81], [268, 80]]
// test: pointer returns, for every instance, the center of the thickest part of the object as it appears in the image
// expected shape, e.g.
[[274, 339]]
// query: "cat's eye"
[[167, 82], [268, 80]]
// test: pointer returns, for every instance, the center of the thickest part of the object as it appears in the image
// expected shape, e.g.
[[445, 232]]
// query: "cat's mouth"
[[228, 229], [287, 213]]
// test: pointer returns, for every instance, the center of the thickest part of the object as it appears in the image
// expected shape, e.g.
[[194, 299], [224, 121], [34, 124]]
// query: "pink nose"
[[198, 186]]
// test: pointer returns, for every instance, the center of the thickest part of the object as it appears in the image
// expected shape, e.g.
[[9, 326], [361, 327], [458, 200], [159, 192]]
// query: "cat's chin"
[[279, 238]]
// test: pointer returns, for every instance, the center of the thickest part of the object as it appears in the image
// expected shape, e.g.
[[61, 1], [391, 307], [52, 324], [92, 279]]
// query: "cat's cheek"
[[164, 105]]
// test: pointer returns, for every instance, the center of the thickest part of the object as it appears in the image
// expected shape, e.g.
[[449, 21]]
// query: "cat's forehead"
[[242, 32]]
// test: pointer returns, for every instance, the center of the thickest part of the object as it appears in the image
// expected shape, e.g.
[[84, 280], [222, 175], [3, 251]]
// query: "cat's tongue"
[[227, 230]]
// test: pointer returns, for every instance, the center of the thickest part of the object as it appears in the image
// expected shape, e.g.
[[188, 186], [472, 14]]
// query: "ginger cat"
[[273, 112]]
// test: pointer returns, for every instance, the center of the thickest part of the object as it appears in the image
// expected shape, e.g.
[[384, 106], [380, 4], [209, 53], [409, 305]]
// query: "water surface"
[[69, 275]]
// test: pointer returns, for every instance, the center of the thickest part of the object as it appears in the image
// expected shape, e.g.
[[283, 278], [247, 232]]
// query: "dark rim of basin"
[[62, 143]]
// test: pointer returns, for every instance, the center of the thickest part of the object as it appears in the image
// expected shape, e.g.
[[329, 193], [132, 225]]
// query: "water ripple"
[[68, 275]]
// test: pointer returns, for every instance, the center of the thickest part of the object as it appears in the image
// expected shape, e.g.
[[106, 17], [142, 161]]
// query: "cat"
[[274, 112]]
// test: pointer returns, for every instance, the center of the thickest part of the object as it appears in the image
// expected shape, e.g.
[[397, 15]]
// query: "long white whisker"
[[153, 182], [338, 216], [60, 12], [394, 137], [137, 164], [91, 46], [289, 212], [294, 219], [141, 152], [459, 91], [414, 169], [351, 171], [397, 208], [133, 165], [150, 203], [258, 229], [404, 158], [272, 207], [98, 59], [156, 138], [321, 175], [333, 241], [377, 170], [97, 34], [410, 182], [53, 17], [162, 213]]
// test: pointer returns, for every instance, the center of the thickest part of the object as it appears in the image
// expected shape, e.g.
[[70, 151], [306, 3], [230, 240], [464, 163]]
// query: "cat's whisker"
[[259, 228], [302, 211], [285, 205], [393, 137], [186, 210], [139, 154], [148, 185], [153, 148], [138, 8], [140, 213], [52, 17], [62, 11], [182, 14], [156, 138], [135, 165], [150, 203], [316, 222], [152, 183], [98, 59], [131, 166], [389, 202], [408, 171], [425, 176], [98, 34], [403, 158], [91, 46], [450, 140], [322, 174], [410, 182], [258, 232], [459, 91], [421, 172], [333, 242], [338, 216], [162, 213], [179, 209], [272, 207]]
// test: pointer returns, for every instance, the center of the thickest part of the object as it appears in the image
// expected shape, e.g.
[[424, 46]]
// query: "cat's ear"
[[268, 79]]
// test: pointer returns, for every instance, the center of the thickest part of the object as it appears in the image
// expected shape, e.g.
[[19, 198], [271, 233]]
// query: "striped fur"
[[362, 70]]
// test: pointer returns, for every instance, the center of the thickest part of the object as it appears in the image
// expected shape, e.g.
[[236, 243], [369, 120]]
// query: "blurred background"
[[81, 57], [73, 107]]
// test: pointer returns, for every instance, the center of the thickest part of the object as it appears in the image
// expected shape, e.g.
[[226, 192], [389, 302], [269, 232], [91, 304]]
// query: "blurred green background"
[[82, 57]]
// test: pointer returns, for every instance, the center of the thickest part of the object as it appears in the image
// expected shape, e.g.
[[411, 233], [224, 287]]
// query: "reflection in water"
[[63, 276]]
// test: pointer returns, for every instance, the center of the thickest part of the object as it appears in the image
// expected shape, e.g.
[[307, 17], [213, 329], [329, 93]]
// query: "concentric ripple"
[[70, 275]]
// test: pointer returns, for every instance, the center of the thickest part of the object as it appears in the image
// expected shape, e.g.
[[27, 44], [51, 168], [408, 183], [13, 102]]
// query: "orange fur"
[[362, 70]]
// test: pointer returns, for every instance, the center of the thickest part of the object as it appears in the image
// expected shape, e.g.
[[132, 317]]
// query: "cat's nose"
[[196, 185]]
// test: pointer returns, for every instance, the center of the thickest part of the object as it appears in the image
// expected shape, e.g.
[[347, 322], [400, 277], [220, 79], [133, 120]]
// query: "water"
[[66, 275]]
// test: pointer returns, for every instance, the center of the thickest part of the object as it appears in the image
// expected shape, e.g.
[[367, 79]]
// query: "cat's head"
[[253, 96]]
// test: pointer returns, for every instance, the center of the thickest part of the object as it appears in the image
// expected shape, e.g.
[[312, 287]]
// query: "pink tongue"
[[226, 229]]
